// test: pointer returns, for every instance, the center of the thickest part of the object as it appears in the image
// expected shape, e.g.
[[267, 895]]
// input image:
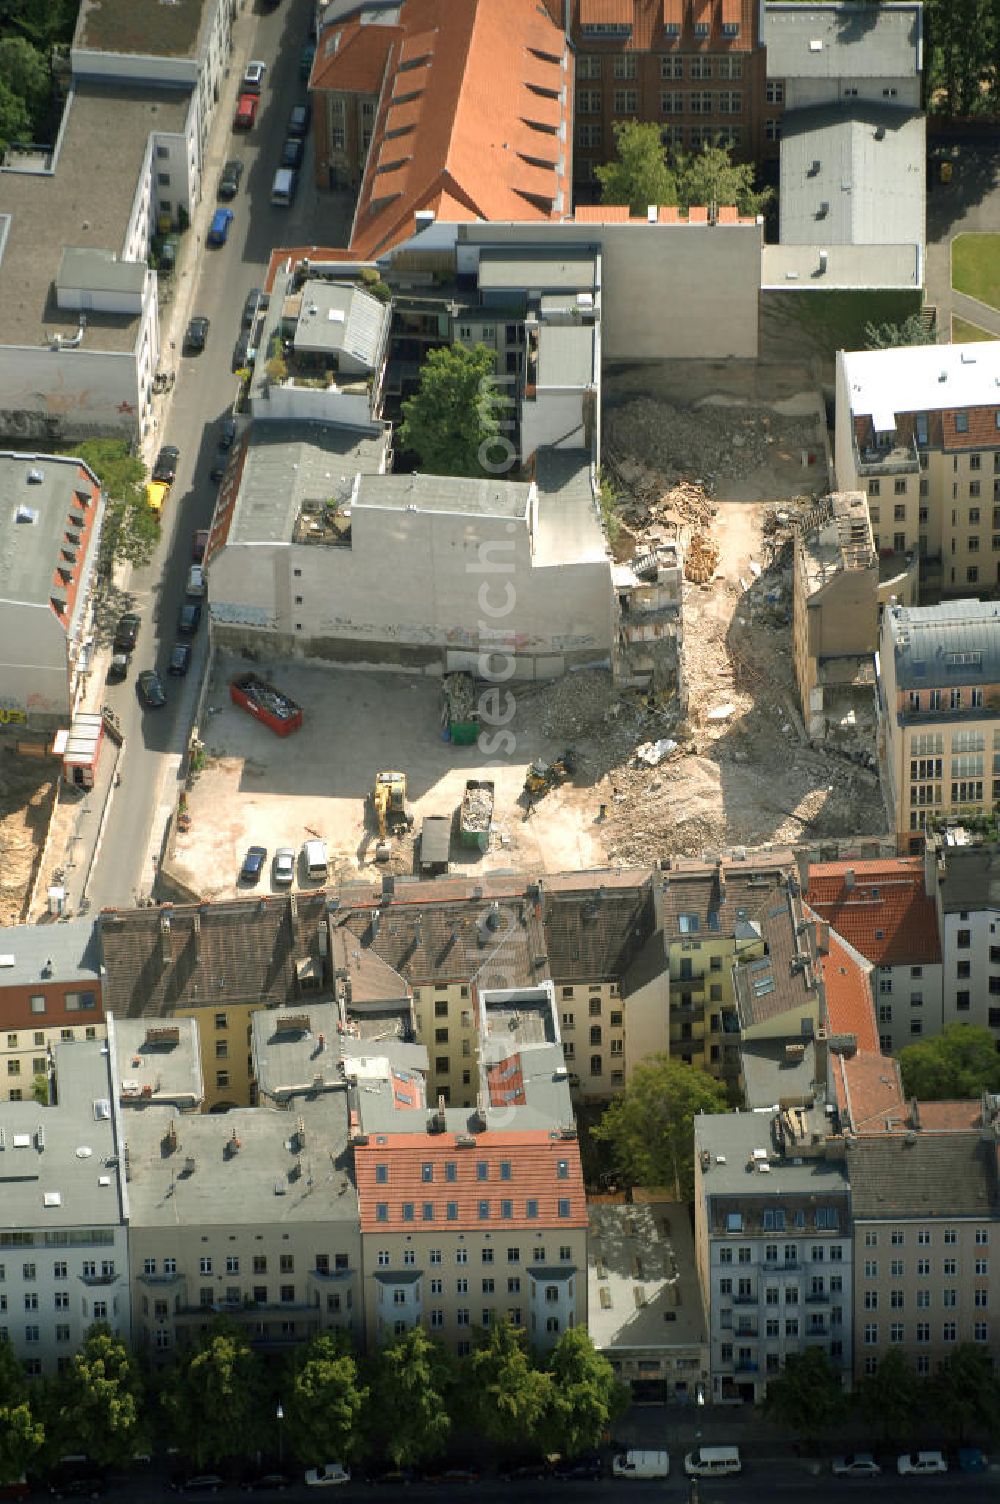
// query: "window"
[[381, 1174], [775, 93], [589, 137], [899, 489], [626, 101], [980, 1331], [625, 65]]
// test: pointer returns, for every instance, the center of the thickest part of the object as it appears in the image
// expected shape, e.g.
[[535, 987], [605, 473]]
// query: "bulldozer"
[[389, 803], [542, 776]]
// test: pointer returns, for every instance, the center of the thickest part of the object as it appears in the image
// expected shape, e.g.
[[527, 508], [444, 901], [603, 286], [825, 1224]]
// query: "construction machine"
[[542, 776], [389, 800]]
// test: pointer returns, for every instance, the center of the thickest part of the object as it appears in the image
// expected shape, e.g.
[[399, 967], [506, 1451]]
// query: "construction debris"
[[701, 559]]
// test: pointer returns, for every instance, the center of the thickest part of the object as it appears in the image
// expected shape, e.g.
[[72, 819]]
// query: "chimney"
[[930, 866], [914, 1113], [802, 862], [849, 879], [165, 955], [822, 937]]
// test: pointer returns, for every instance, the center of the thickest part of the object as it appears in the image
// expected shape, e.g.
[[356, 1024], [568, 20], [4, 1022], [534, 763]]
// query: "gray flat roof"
[[566, 355], [26, 950], [855, 41], [444, 493], [78, 1136], [953, 643], [852, 174], [273, 1177], [735, 1136], [773, 1074], [972, 878], [569, 530], [940, 1175], [288, 463], [787, 268], [524, 269], [99, 271], [30, 549], [336, 316], [157, 1060], [80, 206], [152, 28], [546, 1100], [297, 1049], [643, 1289]]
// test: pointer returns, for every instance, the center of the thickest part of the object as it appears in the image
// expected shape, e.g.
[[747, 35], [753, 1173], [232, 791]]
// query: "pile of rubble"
[[701, 559], [708, 440], [477, 808]]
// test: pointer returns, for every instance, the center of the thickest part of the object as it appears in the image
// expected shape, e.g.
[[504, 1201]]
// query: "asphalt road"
[[205, 389]]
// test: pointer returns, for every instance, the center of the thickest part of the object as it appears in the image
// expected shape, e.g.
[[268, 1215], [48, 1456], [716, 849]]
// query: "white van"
[[284, 186], [314, 855], [641, 1464], [712, 1462]]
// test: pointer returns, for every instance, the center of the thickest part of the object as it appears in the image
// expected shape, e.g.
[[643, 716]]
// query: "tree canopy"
[[585, 1398], [323, 1410], [650, 1127], [890, 1397], [645, 172], [511, 1395], [960, 1062], [22, 1433], [212, 1394], [452, 422], [808, 1395], [131, 528], [912, 331], [965, 1394], [102, 1399], [411, 1398], [962, 52]]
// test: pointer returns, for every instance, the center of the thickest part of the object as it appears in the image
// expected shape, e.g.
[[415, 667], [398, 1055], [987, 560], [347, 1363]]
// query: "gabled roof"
[[472, 119], [849, 1005], [352, 57], [881, 908], [869, 1091]]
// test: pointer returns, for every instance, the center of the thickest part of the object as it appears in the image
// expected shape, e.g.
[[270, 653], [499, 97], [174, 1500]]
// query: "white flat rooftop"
[[923, 378]]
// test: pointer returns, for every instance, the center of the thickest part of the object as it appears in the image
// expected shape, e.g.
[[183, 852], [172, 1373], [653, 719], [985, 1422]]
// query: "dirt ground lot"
[[27, 791]]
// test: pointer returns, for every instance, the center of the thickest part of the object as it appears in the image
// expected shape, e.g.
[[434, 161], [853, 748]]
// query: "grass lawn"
[[963, 333], [975, 267]]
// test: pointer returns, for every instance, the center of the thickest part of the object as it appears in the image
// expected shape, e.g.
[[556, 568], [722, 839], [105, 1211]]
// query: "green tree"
[[212, 1395], [15, 119], [324, 1408], [585, 1398], [808, 1396], [21, 1439], [639, 175], [710, 176], [960, 1062], [102, 1398], [889, 1399], [26, 72], [650, 1127], [964, 1395], [131, 528], [452, 421], [912, 331], [511, 1395], [411, 1398], [43, 22]]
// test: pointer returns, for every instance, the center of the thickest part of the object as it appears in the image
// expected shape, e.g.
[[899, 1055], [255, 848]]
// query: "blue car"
[[218, 230]]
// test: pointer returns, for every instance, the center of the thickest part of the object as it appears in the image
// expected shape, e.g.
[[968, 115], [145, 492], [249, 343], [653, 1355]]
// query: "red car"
[[246, 111], [199, 543]]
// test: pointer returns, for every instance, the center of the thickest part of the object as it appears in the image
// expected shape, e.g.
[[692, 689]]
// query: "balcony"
[[775, 1266], [100, 1279], [745, 1300], [746, 1365], [888, 458], [332, 1275], [818, 1297]]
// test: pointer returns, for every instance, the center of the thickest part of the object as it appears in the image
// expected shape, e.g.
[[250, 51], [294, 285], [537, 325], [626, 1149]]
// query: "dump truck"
[[476, 813], [542, 776], [265, 703]]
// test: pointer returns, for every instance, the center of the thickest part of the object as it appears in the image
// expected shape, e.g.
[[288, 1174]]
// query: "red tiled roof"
[[296, 253], [848, 997], [506, 1082], [887, 915], [981, 432], [666, 214], [478, 115], [534, 1160], [648, 20], [605, 12], [868, 1090], [949, 1117], [352, 58]]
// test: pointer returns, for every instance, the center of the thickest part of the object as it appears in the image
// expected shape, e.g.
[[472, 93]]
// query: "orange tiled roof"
[[887, 915], [296, 253], [648, 19], [869, 1090], [506, 1082], [849, 1005], [540, 1169], [605, 12], [478, 115], [666, 214], [949, 1117], [352, 58]]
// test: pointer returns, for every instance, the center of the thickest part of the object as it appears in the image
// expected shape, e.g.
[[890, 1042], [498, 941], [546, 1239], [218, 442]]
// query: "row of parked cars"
[[909, 1464]]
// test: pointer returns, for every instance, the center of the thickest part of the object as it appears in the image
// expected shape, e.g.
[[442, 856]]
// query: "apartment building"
[[925, 1213], [969, 919], [63, 1246], [887, 911], [696, 69], [938, 694], [217, 964], [773, 1241], [50, 993], [918, 429], [252, 1213]]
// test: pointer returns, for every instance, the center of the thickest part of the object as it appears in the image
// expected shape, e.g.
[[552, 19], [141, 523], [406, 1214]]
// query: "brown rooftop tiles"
[[881, 908]]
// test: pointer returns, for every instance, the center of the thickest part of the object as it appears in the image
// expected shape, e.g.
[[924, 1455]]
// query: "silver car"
[[283, 868]]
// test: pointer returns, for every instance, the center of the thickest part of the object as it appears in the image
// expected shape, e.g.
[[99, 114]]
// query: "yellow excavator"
[[389, 800]]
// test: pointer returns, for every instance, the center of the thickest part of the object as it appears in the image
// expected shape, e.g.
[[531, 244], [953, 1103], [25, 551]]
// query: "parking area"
[[255, 788]]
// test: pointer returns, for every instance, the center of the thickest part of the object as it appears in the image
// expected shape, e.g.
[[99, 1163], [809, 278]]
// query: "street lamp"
[[279, 1416]]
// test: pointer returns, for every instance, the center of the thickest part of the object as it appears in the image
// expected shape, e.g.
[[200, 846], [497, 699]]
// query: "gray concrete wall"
[[33, 673], [49, 396]]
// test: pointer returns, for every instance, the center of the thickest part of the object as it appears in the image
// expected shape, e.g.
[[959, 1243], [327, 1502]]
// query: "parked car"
[[524, 1472], [283, 875], [306, 57], [82, 1486], [201, 1483], [583, 1468], [253, 864], [229, 182], [251, 307], [165, 468], [218, 230], [166, 260], [856, 1465], [151, 689], [242, 352], [291, 152], [199, 543], [972, 1460], [189, 618], [921, 1463], [267, 1482], [220, 461], [117, 671], [298, 120], [394, 1477], [246, 112], [196, 337], [180, 659], [328, 1474], [227, 432], [451, 1475], [196, 580], [253, 77], [157, 492], [126, 632]]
